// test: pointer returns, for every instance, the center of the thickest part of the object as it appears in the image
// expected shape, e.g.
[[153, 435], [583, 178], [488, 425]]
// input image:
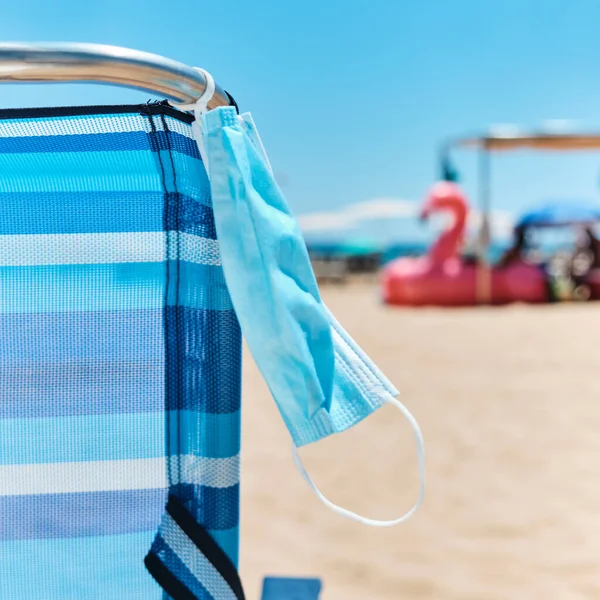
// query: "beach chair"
[[119, 347]]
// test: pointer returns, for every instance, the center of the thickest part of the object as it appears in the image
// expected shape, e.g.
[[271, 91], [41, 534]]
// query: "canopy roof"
[[559, 212], [515, 140]]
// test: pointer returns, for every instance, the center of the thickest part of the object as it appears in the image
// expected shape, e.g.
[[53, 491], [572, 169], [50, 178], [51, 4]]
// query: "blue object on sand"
[[287, 588]]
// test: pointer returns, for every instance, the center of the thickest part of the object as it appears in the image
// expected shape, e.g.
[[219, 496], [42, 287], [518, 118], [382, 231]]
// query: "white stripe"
[[63, 478], [212, 472], [105, 248], [198, 565], [113, 475], [87, 125]]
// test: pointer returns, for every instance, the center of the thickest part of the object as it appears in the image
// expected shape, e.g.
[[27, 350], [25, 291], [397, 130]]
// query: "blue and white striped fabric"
[[119, 358]]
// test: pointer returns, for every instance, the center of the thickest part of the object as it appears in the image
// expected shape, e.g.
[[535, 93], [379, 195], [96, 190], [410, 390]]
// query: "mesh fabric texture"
[[119, 352]]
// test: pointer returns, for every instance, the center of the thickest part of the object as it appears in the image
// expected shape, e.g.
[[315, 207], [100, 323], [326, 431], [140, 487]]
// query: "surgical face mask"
[[321, 381]]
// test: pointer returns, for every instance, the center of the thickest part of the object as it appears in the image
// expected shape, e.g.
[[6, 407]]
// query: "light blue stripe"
[[76, 182], [119, 174], [85, 438], [82, 287], [100, 164], [91, 568], [205, 434], [121, 286], [116, 437]]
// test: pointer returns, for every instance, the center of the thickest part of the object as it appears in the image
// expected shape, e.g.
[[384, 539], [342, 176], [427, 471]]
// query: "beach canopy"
[[516, 139], [556, 213], [502, 139]]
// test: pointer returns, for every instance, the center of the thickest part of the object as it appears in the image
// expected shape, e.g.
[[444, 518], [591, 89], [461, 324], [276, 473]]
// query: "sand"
[[509, 403]]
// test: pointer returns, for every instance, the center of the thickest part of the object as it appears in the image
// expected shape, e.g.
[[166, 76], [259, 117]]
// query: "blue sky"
[[353, 98]]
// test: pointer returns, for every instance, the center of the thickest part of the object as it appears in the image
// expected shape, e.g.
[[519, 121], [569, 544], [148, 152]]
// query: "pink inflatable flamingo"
[[443, 278]]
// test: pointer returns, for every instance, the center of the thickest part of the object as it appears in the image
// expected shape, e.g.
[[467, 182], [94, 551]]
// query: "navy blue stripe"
[[213, 508], [174, 142], [100, 142], [111, 512], [204, 360], [79, 515], [179, 573], [104, 212], [190, 216]]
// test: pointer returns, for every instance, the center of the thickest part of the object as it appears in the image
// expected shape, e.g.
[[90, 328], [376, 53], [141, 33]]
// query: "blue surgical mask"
[[320, 379]]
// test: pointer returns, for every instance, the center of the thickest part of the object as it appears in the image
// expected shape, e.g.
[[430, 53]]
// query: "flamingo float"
[[442, 277]]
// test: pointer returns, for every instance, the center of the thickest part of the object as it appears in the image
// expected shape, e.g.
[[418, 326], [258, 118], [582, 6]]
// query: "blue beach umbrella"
[[556, 213]]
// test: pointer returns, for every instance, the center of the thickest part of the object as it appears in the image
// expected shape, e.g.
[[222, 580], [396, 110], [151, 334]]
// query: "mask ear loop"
[[365, 520], [199, 108]]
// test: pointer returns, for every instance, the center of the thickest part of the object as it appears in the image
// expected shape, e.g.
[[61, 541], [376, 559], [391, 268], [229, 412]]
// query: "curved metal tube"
[[96, 63]]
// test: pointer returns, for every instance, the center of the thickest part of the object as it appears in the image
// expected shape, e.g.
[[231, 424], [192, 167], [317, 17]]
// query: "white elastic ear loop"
[[200, 107], [365, 520]]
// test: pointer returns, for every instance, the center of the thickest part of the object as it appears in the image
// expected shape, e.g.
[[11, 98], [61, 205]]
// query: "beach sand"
[[509, 403]]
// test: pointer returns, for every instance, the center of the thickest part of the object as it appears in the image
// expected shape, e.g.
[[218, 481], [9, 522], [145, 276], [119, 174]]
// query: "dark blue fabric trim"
[[161, 107], [179, 577]]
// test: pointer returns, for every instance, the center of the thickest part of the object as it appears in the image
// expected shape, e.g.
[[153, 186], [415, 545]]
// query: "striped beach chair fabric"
[[119, 362]]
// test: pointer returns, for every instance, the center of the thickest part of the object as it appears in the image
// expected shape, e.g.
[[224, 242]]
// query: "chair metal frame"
[[97, 63]]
